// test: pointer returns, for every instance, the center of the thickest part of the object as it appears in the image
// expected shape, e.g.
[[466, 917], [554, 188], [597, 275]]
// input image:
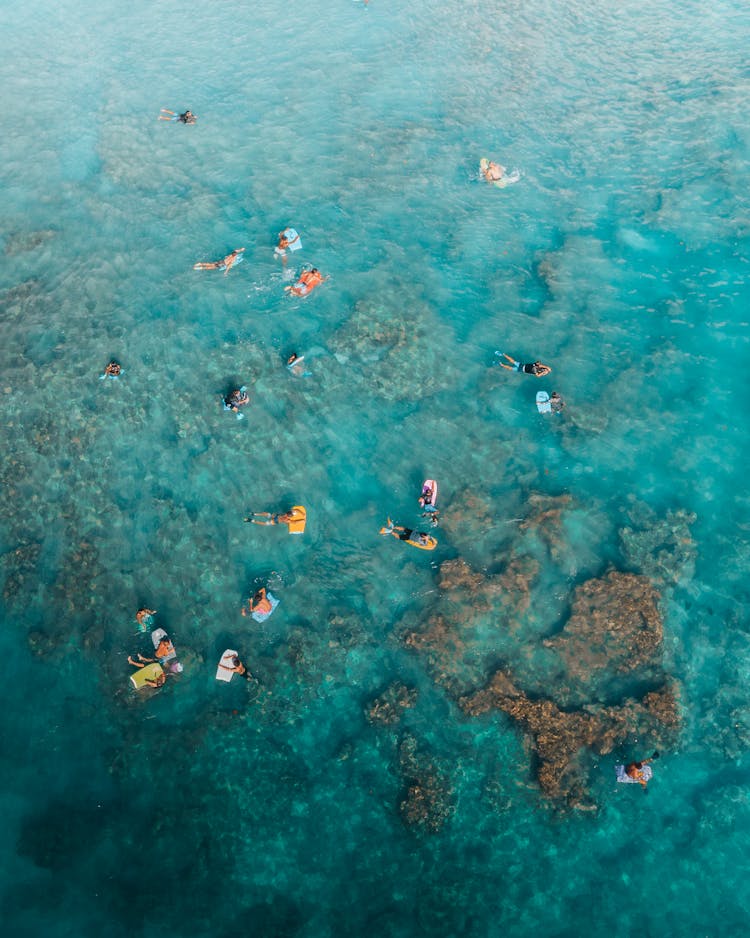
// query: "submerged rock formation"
[[614, 629], [427, 803], [662, 548], [388, 708], [559, 736]]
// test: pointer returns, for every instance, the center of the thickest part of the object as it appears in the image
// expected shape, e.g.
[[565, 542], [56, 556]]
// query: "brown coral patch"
[[614, 627], [389, 707], [560, 736], [427, 803]]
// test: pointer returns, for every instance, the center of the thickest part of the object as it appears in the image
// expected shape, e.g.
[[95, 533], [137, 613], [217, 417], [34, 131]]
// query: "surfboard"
[[542, 402]]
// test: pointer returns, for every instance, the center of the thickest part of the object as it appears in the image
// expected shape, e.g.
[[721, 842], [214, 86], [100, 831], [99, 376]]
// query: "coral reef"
[[388, 707], [545, 518], [427, 804], [663, 548], [614, 629], [559, 736], [468, 598]]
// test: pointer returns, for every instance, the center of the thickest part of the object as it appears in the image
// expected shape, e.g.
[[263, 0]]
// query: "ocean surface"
[[414, 754]]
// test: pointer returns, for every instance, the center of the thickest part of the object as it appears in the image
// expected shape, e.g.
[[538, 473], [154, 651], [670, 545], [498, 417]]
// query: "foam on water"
[[620, 258]]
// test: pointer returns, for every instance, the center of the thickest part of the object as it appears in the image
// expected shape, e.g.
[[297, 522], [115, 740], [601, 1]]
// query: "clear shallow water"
[[621, 258]]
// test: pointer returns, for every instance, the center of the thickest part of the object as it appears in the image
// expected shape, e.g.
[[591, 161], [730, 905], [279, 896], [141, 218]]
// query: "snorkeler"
[[295, 519], [226, 264], [492, 172], [229, 665], [236, 399], [556, 402], [415, 538], [289, 240], [185, 118], [295, 364], [635, 770], [113, 370], [145, 617], [535, 368], [259, 603], [306, 283]]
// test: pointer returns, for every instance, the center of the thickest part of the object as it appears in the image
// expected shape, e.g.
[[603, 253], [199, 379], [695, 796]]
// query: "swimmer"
[[493, 172], [535, 368], [288, 240], [113, 370], [427, 497], [635, 770], [144, 618], [295, 364], [226, 264], [186, 118], [258, 603], [308, 280], [407, 534], [232, 663], [236, 399], [433, 514], [164, 649], [294, 516], [556, 402]]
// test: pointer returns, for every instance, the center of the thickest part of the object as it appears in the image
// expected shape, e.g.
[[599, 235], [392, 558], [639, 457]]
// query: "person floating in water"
[[308, 280], [415, 538], [150, 674], [493, 172], [427, 501], [145, 618], [535, 368], [289, 240], [113, 370], [229, 665], [295, 519], [259, 603], [186, 117], [295, 364], [225, 264], [556, 402], [635, 770], [236, 399]]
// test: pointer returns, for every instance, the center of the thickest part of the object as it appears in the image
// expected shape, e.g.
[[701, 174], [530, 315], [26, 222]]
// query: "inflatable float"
[[262, 616], [507, 179], [225, 670], [622, 776], [149, 672], [543, 403]]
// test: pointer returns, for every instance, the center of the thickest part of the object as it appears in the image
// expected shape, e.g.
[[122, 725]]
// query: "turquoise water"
[[282, 806]]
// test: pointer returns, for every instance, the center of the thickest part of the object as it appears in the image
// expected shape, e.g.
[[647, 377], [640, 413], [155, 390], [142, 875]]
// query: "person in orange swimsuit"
[[308, 280]]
